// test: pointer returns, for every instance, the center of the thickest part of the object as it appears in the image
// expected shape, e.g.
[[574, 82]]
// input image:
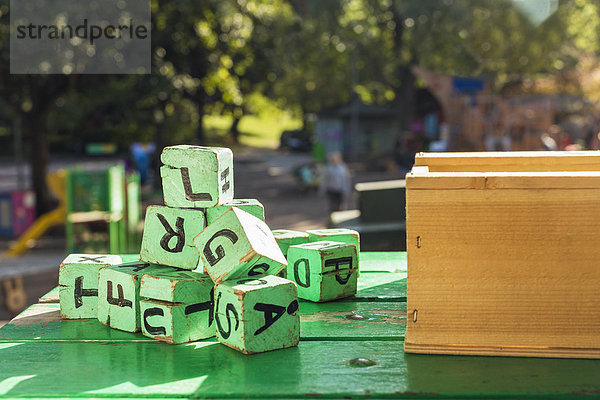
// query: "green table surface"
[[42, 356]]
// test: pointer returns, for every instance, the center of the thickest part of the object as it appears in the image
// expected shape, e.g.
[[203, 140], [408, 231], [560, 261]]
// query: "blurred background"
[[286, 84]]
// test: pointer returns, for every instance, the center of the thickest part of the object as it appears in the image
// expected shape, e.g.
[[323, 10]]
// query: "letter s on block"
[[219, 251]]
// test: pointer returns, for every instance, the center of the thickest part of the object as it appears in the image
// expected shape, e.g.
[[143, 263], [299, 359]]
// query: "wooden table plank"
[[339, 320], [343, 320], [50, 297], [42, 322], [311, 369], [375, 286], [383, 261]]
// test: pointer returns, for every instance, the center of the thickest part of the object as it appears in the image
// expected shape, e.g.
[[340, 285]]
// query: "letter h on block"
[[78, 284], [323, 270], [196, 176], [177, 306]]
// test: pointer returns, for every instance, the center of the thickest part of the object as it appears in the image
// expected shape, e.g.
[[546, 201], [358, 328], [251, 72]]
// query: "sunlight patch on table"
[[9, 383], [184, 386]]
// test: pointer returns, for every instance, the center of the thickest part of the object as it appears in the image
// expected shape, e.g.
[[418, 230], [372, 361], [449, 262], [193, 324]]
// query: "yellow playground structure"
[[100, 209], [56, 183]]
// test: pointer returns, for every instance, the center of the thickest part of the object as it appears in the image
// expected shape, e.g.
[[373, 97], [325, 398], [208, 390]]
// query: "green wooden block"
[[340, 235], [119, 295], [323, 270], [78, 284], [178, 307], [196, 176], [177, 322], [258, 314], [238, 245], [168, 236], [286, 238], [175, 286], [251, 206]]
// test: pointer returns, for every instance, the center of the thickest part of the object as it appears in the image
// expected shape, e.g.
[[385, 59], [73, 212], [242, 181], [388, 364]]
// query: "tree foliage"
[[215, 56]]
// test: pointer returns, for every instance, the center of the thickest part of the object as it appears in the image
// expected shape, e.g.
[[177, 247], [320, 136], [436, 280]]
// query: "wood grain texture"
[[532, 161], [507, 267], [503, 180]]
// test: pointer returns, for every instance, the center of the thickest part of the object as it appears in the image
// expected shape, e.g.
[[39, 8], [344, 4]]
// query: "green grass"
[[255, 130]]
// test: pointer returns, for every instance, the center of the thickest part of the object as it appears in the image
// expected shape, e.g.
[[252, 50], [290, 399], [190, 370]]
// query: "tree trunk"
[[235, 131], [36, 130], [200, 134], [406, 98], [159, 142]]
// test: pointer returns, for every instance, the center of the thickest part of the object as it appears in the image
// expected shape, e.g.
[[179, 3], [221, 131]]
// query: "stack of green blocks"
[[201, 237]]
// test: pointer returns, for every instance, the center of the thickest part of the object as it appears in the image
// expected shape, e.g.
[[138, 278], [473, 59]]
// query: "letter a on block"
[[196, 176], [238, 245], [168, 236], [78, 284]]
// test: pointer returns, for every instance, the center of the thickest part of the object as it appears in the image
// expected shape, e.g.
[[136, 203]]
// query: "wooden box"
[[504, 254]]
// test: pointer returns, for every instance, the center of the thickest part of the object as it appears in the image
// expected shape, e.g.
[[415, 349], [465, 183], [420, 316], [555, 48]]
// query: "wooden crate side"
[[503, 351], [425, 180], [530, 161], [490, 270]]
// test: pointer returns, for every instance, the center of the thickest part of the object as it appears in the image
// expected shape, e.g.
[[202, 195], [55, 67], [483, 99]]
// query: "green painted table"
[[43, 356]]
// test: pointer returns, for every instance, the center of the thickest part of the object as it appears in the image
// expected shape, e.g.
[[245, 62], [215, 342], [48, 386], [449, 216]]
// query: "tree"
[[30, 99]]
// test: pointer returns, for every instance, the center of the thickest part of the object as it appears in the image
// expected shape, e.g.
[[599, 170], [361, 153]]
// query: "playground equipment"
[[56, 183], [17, 212], [103, 211]]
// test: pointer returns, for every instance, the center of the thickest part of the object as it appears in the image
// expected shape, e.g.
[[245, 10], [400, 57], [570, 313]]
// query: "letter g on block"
[[219, 251]]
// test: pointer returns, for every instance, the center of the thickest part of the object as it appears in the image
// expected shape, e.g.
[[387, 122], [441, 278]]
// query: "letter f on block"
[[219, 251]]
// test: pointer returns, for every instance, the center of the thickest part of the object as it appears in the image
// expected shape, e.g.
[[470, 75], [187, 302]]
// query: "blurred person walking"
[[336, 181]]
